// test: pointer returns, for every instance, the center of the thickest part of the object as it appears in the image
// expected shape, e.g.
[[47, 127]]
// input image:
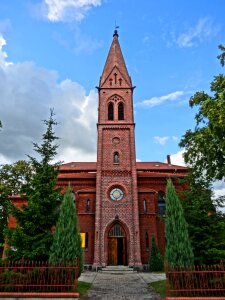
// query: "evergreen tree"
[[32, 238], [67, 241], [206, 225], [155, 259], [178, 246]]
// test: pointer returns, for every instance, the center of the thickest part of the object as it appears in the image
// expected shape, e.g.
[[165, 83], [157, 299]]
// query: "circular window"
[[116, 194], [116, 140]]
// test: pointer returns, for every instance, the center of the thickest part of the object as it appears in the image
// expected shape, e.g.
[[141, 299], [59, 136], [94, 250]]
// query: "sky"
[[52, 53]]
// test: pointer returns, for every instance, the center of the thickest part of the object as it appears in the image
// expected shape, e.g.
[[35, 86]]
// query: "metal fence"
[[196, 281], [27, 277]]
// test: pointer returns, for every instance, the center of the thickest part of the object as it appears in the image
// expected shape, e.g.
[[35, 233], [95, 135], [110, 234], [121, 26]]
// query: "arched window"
[[145, 205], [88, 205], [161, 203], [116, 158], [120, 111], [146, 241], [110, 112]]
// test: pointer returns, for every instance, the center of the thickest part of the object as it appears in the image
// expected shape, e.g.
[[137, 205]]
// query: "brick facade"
[[118, 231]]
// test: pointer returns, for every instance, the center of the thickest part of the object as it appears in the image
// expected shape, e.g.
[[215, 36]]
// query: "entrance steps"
[[118, 270]]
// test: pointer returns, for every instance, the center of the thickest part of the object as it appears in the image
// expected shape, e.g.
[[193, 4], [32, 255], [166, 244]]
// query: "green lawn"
[[160, 288], [83, 287]]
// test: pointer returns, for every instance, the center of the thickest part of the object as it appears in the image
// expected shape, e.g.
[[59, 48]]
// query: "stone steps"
[[118, 270]]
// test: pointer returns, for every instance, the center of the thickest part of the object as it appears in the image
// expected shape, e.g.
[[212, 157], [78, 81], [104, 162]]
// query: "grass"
[[83, 287], [160, 288]]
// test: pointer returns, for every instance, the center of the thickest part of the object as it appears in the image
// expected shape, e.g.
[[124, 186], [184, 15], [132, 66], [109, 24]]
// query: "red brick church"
[[120, 202]]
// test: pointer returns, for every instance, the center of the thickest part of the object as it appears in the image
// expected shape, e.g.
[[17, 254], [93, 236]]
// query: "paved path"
[[119, 287]]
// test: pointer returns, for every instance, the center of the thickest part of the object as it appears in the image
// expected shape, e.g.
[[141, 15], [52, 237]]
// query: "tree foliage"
[[178, 246], [32, 238], [67, 241], [205, 145], [221, 57], [206, 225], [155, 259], [14, 178]]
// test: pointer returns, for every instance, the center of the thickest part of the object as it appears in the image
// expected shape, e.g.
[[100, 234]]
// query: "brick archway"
[[116, 243]]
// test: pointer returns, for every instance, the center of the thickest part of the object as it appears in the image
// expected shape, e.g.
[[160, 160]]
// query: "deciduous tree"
[[205, 145], [14, 178]]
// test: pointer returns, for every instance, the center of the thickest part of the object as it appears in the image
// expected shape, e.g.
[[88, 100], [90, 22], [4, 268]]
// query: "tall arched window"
[[145, 205], [116, 159], [86, 240], [88, 205], [120, 111], [161, 203], [110, 112], [146, 241]]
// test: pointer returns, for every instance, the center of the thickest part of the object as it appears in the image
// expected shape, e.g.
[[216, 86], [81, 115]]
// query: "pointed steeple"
[[115, 70]]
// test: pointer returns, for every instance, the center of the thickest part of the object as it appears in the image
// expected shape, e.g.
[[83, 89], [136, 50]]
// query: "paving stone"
[[120, 287]]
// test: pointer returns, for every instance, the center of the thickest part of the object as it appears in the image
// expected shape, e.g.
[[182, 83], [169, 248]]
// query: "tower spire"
[[115, 62]]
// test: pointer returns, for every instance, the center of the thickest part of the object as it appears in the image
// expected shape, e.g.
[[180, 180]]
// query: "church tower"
[[117, 236]]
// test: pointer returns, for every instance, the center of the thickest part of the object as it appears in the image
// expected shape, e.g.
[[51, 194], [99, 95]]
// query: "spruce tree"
[[155, 259], [178, 246], [32, 238], [206, 224], [67, 241]]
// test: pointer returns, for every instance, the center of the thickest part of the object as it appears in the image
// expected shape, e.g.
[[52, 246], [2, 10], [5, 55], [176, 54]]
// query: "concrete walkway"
[[133, 286]]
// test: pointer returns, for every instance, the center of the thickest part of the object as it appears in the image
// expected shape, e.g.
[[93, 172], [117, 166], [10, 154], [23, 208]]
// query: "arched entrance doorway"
[[117, 252]]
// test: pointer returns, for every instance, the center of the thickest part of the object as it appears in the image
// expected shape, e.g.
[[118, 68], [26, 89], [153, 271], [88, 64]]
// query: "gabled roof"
[[115, 59]]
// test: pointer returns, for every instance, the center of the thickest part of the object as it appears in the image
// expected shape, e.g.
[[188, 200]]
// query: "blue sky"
[[52, 53]]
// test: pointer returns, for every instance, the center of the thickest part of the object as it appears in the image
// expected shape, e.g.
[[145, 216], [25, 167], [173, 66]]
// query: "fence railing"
[[38, 277], [196, 281]]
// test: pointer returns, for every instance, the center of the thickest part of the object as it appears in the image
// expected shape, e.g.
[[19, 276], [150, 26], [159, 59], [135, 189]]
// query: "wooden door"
[[112, 251]]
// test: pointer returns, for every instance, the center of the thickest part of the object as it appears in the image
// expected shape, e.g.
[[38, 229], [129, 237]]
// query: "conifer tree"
[[155, 259], [32, 238], [67, 241], [178, 246], [200, 208]]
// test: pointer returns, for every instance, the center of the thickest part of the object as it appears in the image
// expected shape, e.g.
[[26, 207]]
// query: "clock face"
[[116, 194]]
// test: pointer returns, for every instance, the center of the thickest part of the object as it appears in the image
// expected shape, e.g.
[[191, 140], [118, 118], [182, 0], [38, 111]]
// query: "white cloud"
[[3, 54], [161, 99], [161, 140], [27, 94], [203, 30], [67, 10], [178, 158], [219, 188]]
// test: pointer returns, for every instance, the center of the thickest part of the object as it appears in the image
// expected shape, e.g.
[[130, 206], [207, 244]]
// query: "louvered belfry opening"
[[120, 111], [110, 112]]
